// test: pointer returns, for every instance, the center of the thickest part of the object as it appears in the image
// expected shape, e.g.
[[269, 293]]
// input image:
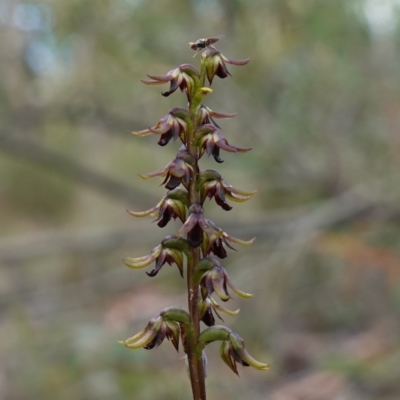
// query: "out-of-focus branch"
[[72, 169]]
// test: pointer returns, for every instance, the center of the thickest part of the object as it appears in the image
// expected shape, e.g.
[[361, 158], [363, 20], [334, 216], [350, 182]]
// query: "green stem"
[[195, 359]]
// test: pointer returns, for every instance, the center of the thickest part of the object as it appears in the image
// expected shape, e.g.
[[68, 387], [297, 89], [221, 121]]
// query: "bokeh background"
[[319, 103]]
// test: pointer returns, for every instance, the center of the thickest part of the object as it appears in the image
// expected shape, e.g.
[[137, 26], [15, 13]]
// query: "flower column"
[[198, 237]]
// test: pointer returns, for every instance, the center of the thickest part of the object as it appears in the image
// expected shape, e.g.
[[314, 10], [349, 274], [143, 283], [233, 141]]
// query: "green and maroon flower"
[[154, 334], [206, 116], [160, 255], [233, 351], [195, 225], [177, 171], [212, 185], [216, 280], [215, 63], [209, 306], [172, 205], [215, 243], [171, 126], [210, 140], [165, 326], [182, 77]]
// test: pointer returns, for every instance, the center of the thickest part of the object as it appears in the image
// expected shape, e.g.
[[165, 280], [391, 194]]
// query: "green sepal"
[[175, 314], [204, 265], [173, 242], [189, 159], [212, 334], [180, 195]]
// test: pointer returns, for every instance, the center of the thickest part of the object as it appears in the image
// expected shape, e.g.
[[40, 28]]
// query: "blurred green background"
[[319, 103]]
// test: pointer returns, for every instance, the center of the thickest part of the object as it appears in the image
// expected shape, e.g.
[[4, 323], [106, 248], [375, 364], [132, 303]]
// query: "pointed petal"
[[219, 285], [224, 352], [161, 78], [223, 309], [143, 341], [236, 62], [131, 263], [244, 295], [160, 172], [188, 225], [143, 213], [144, 132], [231, 189], [239, 348], [220, 115], [152, 83], [237, 199], [238, 241], [135, 337]]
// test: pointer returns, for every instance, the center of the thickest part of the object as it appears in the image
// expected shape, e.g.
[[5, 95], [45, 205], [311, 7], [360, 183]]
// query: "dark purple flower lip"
[[208, 306], [195, 225]]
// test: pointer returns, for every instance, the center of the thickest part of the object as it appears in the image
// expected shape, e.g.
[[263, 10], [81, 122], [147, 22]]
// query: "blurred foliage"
[[320, 104]]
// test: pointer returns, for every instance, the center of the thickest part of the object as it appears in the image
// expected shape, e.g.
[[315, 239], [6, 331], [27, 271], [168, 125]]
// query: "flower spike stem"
[[199, 240], [195, 359]]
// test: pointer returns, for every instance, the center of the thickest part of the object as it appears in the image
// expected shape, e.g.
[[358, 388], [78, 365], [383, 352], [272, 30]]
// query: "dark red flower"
[[212, 185], [171, 126], [216, 280], [210, 140], [160, 255], [172, 205], [215, 243], [233, 351], [195, 225], [216, 63], [206, 116], [177, 171], [208, 306], [182, 77]]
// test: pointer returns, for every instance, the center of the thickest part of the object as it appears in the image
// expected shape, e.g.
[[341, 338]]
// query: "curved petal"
[[146, 82], [223, 309], [160, 172], [237, 199], [143, 213], [225, 353], [238, 241], [187, 226], [235, 62], [162, 78], [144, 132], [244, 295], [219, 283], [129, 262]]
